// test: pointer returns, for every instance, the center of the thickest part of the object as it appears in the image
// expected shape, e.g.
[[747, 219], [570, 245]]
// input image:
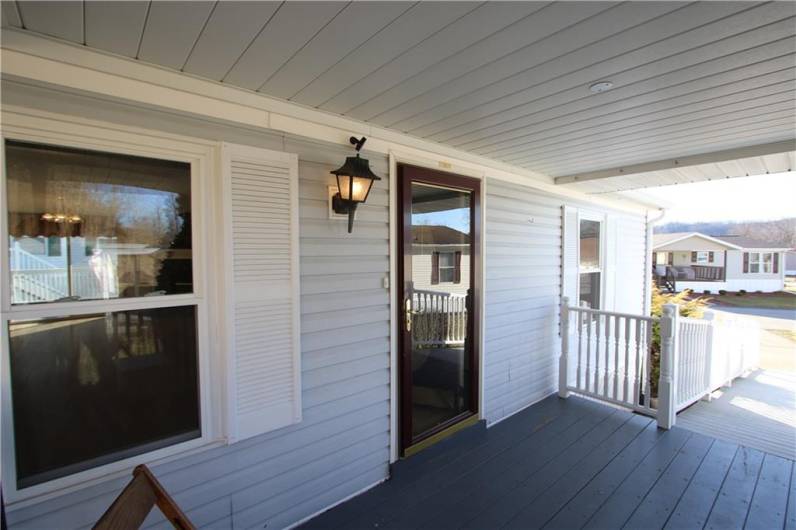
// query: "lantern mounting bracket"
[[357, 142]]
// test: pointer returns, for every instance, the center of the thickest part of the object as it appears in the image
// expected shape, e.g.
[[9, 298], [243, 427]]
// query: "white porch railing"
[[41, 285], [711, 353], [608, 356]]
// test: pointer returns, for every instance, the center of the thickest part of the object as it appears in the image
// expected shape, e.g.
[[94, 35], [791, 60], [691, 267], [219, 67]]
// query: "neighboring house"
[[710, 263]]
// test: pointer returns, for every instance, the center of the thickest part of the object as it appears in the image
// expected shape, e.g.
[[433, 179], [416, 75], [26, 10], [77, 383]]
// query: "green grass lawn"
[[780, 300]]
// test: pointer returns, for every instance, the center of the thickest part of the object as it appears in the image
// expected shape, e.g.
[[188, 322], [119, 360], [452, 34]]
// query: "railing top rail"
[[612, 313], [439, 293]]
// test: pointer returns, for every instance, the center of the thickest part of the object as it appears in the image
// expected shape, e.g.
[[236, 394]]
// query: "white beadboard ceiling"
[[506, 80]]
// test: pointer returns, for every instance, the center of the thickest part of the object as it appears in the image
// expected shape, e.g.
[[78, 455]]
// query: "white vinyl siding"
[[261, 235], [524, 270], [342, 443]]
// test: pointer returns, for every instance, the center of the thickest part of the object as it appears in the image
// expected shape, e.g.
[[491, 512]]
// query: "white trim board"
[[51, 62]]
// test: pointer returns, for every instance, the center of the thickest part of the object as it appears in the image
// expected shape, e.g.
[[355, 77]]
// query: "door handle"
[[408, 313]]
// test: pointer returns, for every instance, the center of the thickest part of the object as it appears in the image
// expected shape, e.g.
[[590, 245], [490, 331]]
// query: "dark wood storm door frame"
[[408, 174]]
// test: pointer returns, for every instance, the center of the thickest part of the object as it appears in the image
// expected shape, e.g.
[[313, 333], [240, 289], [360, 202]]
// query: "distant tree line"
[[781, 232]]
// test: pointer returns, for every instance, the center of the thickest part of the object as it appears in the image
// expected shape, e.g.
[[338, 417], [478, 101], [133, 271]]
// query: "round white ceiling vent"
[[601, 86]]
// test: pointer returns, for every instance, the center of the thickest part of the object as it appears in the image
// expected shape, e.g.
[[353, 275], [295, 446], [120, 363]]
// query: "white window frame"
[[54, 129], [758, 258], [584, 215], [702, 257]]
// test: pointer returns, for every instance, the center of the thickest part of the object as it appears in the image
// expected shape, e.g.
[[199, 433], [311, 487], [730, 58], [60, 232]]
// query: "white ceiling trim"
[[683, 162]]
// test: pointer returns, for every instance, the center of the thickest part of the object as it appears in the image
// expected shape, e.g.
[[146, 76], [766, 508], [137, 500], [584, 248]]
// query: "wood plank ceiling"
[[506, 80]]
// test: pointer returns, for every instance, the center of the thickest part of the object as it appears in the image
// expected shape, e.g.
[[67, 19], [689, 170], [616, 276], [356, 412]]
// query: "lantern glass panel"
[[359, 192]]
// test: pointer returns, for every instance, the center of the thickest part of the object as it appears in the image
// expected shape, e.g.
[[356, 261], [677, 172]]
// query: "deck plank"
[[656, 507], [366, 507], [770, 500], [453, 504], [620, 504], [694, 506], [732, 503], [790, 518], [499, 513], [575, 463], [541, 510], [581, 507]]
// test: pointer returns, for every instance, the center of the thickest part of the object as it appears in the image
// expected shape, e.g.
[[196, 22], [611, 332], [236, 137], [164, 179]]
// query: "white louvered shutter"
[[262, 271], [569, 254]]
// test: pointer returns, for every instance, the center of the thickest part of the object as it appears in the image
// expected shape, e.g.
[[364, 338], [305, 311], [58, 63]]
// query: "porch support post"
[[666, 382], [563, 392]]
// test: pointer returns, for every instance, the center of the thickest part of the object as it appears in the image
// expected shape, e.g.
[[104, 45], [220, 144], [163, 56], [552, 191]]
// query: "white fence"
[[609, 356], [711, 353]]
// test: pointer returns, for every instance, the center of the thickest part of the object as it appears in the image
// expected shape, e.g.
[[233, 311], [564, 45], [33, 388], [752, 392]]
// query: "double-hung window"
[[102, 326], [761, 262], [590, 262], [702, 257]]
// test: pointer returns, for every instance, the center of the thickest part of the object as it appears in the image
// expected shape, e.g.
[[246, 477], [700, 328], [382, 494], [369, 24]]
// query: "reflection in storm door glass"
[[89, 225], [441, 281]]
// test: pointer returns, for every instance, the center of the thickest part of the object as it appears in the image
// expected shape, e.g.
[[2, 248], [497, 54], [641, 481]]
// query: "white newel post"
[[563, 392], [666, 382]]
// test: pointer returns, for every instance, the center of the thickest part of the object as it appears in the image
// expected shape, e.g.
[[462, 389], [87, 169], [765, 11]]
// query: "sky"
[[758, 198]]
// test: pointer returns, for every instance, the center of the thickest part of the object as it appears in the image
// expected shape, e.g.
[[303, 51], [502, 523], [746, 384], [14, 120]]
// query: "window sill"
[[16, 499]]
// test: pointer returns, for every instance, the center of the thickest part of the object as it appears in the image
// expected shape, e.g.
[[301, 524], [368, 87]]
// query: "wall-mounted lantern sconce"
[[354, 180]]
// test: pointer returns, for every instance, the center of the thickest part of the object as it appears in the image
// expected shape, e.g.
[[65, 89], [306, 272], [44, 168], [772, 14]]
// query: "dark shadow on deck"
[[573, 463]]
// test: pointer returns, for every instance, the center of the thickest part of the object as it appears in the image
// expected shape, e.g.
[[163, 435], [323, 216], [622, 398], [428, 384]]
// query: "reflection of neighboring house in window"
[[710, 263], [440, 259]]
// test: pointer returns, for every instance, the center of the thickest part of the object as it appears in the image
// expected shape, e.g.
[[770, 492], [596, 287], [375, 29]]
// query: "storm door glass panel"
[[440, 352], [87, 225], [92, 389]]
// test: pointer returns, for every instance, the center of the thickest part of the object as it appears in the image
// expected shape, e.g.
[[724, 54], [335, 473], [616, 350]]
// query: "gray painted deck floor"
[[757, 411], [573, 463]]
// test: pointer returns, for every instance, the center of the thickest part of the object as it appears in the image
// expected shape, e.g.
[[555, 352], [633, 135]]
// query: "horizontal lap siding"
[[342, 444], [523, 285], [523, 260]]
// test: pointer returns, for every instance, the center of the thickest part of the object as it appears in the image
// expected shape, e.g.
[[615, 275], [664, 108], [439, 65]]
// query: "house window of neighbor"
[[93, 381], [447, 267], [761, 262], [589, 267], [702, 257]]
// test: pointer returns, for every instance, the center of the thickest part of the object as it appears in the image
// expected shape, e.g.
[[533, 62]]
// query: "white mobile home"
[[711, 263], [270, 349]]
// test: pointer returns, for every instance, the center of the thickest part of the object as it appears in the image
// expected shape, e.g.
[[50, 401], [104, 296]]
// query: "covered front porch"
[[577, 464]]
